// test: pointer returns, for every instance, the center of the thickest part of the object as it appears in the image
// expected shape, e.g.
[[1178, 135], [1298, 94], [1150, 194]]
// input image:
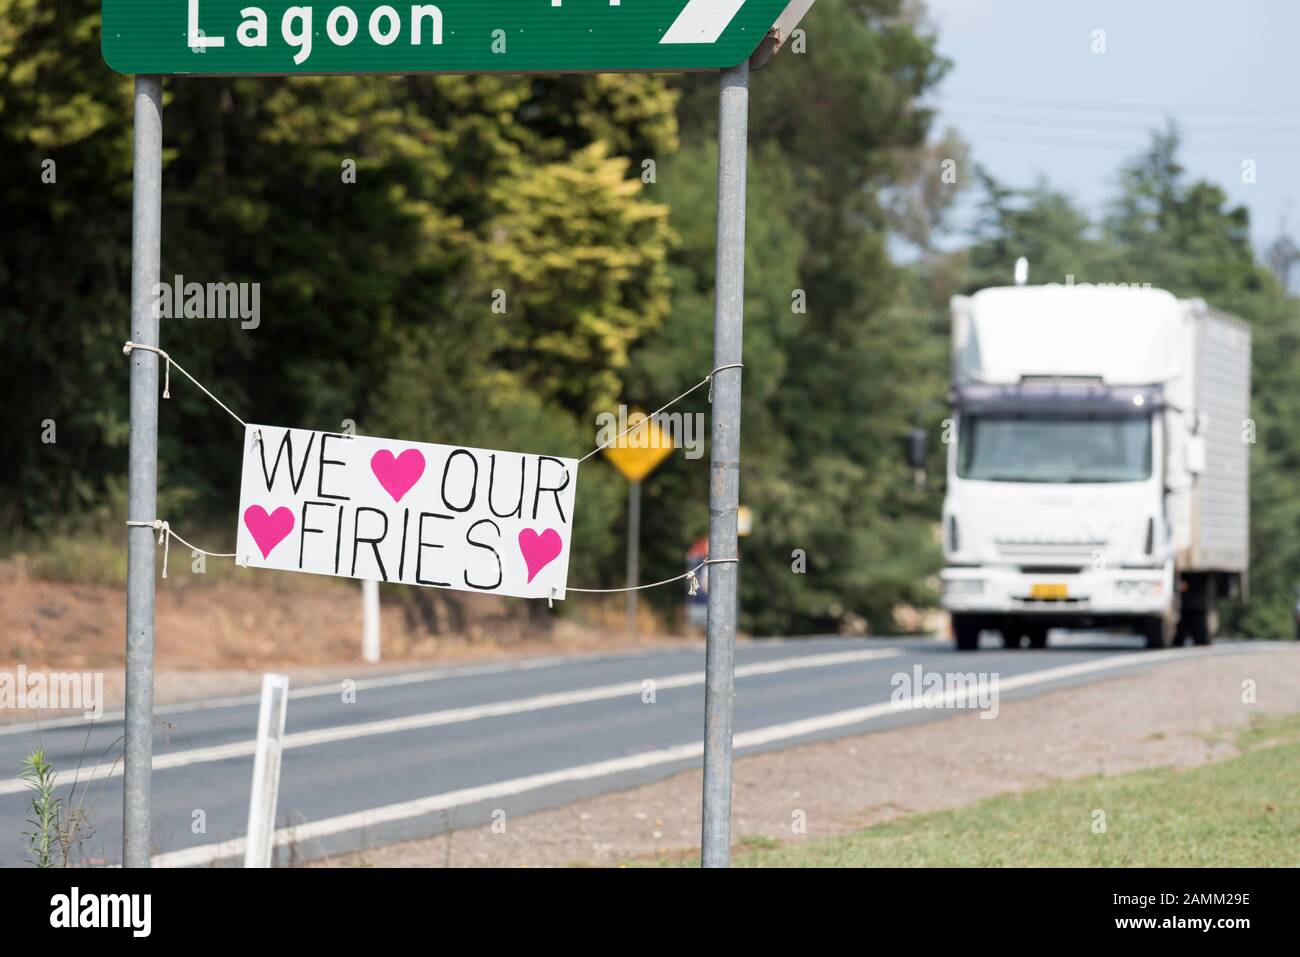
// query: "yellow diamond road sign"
[[639, 453]]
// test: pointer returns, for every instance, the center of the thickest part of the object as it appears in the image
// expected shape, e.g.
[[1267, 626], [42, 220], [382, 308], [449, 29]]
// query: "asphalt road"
[[419, 752]]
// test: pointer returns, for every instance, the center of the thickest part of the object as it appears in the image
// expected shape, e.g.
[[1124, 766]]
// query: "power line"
[[1130, 146], [1086, 124], [1095, 106]]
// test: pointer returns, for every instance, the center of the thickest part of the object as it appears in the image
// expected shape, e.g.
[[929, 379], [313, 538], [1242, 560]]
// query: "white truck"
[[1097, 463]]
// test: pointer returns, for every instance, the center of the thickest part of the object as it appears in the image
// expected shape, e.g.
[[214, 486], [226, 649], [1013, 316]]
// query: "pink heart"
[[397, 475], [268, 530], [539, 550]]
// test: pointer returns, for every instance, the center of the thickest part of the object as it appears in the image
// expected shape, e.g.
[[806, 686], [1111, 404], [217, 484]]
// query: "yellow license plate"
[[1046, 590]]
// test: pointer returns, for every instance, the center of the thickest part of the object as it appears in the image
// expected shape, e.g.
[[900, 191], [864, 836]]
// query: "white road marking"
[[312, 830], [362, 684], [702, 21], [431, 719], [207, 853]]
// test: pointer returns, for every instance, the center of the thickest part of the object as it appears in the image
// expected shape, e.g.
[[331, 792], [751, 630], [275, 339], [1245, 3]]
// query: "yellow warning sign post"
[[636, 455]]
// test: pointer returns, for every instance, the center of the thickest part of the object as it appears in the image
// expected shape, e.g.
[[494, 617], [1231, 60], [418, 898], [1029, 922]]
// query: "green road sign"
[[217, 37]]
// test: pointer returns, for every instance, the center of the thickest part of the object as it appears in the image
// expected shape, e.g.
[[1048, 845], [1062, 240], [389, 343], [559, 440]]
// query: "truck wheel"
[[1157, 631], [1011, 638], [1038, 637], [1200, 615], [966, 632]]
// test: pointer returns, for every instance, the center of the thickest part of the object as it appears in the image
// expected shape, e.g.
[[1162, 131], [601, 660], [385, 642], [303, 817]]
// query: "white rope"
[[129, 347], [165, 536], [707, 380], [667, 581], [690, 575], [165, 533]]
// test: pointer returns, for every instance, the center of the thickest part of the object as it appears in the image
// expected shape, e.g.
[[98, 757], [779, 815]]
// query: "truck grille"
[[1046, 552]]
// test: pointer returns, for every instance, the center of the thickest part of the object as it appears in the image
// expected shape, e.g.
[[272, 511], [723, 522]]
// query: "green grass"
[[94, 557], [97, 559], [1241, 812]]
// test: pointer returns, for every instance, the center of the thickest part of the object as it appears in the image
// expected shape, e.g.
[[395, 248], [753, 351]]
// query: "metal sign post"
[[633, 551], [225, 37], [636, 455], [724, 468], [146, 267]]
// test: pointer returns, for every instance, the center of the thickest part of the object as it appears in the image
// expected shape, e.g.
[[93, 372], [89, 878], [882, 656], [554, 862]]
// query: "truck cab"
[[1080, 492]]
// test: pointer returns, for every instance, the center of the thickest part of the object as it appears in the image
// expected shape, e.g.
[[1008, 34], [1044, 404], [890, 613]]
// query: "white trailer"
[[1097, 463]]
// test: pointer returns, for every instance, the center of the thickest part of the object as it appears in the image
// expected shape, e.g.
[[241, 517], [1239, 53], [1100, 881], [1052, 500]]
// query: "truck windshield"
[[1008, 448]]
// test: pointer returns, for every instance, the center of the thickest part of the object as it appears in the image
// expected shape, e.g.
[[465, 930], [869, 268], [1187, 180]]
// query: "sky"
[[1030, 96]]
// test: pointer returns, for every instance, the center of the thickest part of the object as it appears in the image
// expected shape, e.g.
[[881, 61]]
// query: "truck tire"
[[1157, 631], [966, 632], [1037, 637], [1198, 627], [1011, 637], [1199, 616]]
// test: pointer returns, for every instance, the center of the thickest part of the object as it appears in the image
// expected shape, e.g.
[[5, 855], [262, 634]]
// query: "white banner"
[[443, 516]]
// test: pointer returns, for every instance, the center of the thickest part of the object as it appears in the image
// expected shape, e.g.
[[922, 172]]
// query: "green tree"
[[835, 366], [462, 185]]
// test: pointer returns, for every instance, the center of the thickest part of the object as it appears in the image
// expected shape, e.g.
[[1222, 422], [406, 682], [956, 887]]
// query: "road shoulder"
[[1184, 714]]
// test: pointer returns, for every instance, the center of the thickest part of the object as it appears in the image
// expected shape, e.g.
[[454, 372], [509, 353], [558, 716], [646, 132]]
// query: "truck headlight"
[[963, 586]]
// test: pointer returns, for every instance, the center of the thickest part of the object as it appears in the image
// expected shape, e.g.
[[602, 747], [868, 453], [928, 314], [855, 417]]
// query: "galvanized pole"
[[146, 251], [633, 551], [724, 468]]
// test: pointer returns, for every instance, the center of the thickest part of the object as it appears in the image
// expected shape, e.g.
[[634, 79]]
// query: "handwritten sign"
[[442, 516]]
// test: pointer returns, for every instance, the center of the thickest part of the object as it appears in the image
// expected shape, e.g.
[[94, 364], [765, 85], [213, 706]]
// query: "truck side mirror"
[[917, 448]]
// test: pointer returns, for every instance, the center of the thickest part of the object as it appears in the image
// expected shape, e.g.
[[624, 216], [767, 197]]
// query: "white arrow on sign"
[[702, 21]]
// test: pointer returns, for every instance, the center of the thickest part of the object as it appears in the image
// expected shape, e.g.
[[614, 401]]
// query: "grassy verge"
[[98, 559], [1241, 812]]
